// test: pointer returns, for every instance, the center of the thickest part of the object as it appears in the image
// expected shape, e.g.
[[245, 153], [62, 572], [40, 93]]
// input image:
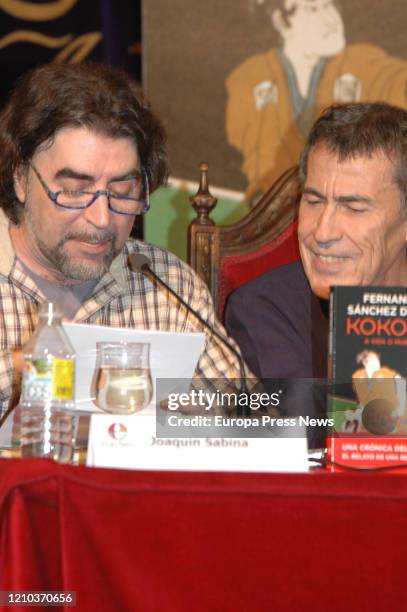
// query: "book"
[[368, 372]]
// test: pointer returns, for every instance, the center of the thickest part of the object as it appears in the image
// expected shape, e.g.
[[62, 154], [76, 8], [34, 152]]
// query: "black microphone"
[[141, 264]]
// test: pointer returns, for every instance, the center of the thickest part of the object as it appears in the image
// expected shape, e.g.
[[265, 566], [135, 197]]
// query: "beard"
[[79, 270], [70, 268]]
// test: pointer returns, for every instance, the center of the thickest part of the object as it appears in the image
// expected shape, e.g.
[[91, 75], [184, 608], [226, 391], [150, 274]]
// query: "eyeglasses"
[[123, 196]]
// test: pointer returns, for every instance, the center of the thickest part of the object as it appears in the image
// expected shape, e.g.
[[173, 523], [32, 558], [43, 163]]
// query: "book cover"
[[368, 371]]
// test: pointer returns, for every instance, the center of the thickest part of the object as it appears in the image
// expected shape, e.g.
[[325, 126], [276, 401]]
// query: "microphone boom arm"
[[140, 263]]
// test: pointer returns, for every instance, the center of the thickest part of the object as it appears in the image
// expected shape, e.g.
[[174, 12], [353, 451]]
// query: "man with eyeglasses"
[[80, 150]]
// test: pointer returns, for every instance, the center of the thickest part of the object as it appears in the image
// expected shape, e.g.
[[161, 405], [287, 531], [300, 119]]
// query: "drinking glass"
[[123, 376]]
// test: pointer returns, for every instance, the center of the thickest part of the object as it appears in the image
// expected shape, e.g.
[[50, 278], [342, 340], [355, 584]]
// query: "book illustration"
[[381, 396], [368, 360]]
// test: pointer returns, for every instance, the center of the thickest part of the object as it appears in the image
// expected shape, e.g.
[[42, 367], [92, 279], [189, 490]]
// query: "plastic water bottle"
[[48, 387]]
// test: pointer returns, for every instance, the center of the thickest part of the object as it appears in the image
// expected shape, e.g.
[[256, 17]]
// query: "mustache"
[[93, 238]]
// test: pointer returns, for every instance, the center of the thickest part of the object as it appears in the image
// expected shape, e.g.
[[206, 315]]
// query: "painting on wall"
[[239, 83]]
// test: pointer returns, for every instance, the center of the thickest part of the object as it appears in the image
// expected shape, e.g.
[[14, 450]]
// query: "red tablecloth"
[[164, 541]]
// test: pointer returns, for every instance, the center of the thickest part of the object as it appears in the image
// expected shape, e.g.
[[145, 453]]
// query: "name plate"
[[130, 442]]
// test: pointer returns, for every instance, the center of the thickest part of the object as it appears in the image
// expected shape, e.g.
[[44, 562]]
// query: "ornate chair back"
[[228, 256]]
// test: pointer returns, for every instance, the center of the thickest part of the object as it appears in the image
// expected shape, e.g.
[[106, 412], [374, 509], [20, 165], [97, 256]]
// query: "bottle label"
[[48, 379], [63, 372]]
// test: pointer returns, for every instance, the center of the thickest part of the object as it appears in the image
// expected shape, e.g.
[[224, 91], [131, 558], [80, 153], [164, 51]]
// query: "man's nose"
[[328, 225], [98, 213]]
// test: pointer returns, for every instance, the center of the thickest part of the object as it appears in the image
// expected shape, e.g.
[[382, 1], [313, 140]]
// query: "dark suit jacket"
[[282, 330]]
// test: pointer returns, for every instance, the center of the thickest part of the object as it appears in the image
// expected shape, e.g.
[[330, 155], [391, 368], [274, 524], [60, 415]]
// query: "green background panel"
[[166, 223]]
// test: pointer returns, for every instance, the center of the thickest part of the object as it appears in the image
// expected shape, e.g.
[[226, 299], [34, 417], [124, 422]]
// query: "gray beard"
[[70, 269], [77, 270]]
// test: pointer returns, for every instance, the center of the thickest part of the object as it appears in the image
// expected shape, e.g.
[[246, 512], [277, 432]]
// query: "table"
[[166, 541]]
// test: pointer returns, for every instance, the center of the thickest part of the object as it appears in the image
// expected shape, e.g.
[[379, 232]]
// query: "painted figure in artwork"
[[274, 97]]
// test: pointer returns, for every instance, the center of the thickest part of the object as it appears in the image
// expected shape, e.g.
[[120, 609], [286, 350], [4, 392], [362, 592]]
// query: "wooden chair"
[[228, 256]]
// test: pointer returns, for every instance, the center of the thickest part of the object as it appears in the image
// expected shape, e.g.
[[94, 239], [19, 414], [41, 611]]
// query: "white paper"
[[7, 430], [130, 442], [172, 356]]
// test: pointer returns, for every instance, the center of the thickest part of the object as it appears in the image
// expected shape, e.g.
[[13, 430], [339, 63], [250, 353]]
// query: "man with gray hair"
[[352, 230]]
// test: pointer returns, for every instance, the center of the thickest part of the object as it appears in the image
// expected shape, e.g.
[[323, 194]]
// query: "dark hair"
[[272, 6], [275, 5], [280, 5], [49, 98], [360, 357], [350, 130]]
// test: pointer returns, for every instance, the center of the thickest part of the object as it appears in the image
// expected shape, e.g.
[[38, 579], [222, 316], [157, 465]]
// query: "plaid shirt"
[[120, 299]]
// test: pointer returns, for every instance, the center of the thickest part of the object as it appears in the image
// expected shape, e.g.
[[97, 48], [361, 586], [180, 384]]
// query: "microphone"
[[139, 263]]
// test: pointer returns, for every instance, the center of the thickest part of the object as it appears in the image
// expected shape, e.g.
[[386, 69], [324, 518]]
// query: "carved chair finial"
[[203, 182], [203, 202]]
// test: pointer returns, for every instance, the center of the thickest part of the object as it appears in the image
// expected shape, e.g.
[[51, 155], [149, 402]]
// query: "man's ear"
[[20, 183]]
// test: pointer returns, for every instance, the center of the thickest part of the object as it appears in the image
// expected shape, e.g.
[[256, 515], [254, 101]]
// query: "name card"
[[130, 442]]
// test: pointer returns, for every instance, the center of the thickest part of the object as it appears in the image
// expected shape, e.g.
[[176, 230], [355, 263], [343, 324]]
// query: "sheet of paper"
[[7, 429], [173, 356]]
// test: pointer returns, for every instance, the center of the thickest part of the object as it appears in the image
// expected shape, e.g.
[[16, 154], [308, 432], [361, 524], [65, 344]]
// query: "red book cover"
[[368, 371]]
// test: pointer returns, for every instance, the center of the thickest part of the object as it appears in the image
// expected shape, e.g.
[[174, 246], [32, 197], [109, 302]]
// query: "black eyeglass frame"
[[53, 196]]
